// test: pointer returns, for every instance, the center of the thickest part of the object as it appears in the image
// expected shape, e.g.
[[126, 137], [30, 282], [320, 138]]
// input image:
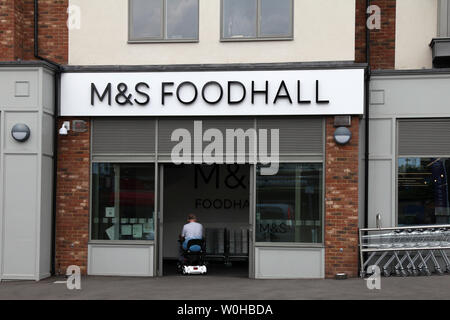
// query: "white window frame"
[[258, 37], [163, 27]]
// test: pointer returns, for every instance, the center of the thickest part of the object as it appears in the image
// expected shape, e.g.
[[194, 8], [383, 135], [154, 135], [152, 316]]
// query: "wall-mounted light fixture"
[[342, 135], [20, 132], [65, 128]]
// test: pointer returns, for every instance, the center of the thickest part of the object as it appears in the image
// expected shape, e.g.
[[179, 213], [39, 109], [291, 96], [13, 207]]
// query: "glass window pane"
[[289, 204], [123, 201], [146, 18], [182, 19], [239, 18], [423, 192], [276, 18]]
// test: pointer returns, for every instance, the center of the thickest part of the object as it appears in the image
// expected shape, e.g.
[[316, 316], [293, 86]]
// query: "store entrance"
[[219, 195]]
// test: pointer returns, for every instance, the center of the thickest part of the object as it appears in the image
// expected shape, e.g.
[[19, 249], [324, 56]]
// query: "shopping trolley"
[[405, 251]]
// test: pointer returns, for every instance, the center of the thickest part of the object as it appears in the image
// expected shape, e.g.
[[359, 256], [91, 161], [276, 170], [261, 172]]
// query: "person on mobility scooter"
[[192, 248]]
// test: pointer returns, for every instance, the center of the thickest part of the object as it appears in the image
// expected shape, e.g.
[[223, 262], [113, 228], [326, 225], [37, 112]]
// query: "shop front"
[[409, 147], [252, 153]]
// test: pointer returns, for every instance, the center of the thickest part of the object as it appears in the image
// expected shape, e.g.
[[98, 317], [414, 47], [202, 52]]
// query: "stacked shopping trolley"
[[405, 251]]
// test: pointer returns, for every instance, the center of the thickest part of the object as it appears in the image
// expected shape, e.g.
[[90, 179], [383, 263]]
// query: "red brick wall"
[[72, 209], [382, 41], [341, 202], [17, 30], [7, 31]]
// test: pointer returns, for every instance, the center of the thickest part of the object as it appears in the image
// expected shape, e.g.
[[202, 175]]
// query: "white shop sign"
[[227, 93]]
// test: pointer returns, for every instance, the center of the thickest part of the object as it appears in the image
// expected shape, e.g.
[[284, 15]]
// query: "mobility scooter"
[[194, 258]]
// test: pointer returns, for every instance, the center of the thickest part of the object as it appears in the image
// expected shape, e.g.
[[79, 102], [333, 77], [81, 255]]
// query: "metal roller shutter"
[[424, 137], [299, 137], [123, 136]]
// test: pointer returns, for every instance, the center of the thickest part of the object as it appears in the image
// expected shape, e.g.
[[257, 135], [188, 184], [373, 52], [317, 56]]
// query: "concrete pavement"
[[227, 288]]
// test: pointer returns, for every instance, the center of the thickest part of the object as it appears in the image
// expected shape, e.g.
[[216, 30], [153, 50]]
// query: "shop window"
[[443, 18], [123, 201], [289, 205], [423, 191], [257, 19], [163, 20]]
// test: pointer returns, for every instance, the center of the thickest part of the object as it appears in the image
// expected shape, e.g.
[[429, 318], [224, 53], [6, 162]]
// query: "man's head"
[[192, 218]]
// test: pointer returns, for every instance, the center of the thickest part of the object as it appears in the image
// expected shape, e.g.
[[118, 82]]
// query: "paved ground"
[[225, 288]]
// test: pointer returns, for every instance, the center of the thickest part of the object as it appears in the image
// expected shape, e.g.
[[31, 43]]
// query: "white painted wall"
[[416, 25], [324, 30]]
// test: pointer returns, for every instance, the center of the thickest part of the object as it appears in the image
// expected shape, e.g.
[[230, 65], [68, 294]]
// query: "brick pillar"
[[382, 41], [341, 203], [72, 192]]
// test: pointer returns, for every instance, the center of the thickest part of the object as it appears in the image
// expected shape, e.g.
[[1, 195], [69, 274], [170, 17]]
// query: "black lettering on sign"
[[187, 83], [244, 92], [299, 96], [212, 83], [164, 93], [94, 92], [281, 95], [122, 98], [142, 93], [317, 95], [265, 92]]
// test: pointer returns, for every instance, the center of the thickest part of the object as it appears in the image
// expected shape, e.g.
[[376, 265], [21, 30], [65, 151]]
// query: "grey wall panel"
[[46, 216], [48, 91], [31, 120], [408, 96], [19, 89], [298, 135], [381, 193], [381, 138], [123, 136], [48, 131], [424, 137], [289, 263], [20, 222], [120, 260]]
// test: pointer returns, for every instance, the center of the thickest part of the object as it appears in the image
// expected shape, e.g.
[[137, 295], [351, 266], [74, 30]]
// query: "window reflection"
[[276, 18], [146, 19], [423, 196], [239, 18], [163, 20], [257, 19], [289, 204], [182, 19], [123, 201]]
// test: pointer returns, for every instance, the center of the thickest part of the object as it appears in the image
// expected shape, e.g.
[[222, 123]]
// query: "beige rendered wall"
[[416, 25], [324, 30]]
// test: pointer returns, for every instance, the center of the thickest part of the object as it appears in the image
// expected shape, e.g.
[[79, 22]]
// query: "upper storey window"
[[163, 20], [443, 18], [257, 19]]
